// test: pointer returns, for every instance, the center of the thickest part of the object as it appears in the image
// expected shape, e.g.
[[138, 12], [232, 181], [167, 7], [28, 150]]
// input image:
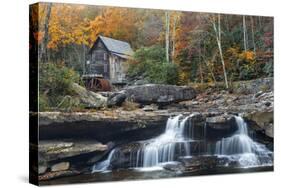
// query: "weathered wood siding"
[[116, 69], [99, 61]]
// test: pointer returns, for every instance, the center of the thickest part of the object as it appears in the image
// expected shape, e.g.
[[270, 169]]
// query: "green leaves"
[[54, 83], [150, 63]]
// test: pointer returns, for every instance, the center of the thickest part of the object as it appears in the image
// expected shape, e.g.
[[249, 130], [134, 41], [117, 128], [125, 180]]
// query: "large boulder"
[[220, 126], [116, 99], [263, 120], [88, 98], [159, 93]]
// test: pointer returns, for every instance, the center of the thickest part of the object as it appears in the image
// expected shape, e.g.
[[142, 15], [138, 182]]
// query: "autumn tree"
[[204, 47], [46, 10]]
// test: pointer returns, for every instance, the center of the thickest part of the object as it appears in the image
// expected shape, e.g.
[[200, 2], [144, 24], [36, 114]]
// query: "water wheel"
[[97, 84]]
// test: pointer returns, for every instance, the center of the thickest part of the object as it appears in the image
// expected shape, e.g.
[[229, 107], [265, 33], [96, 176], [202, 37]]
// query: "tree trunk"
[[84, 59], [245, 33], [167, 15], [44, 53], [260, 25], [200, 64], [218, 38], [174, 38], [253, 34]]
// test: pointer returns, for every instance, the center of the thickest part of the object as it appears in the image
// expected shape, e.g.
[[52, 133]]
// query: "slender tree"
[[253, 34], [217, 29], [174, 36], [245, 33], [167, 34]]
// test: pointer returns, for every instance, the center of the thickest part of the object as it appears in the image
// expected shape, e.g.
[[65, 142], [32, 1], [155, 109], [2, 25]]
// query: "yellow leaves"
[[118, 23], [234, 53], [66, 26], [77, 24], [248, 56], [183, 77]]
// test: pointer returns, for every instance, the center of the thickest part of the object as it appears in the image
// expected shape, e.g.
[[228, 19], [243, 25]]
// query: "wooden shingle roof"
[[116, 46]]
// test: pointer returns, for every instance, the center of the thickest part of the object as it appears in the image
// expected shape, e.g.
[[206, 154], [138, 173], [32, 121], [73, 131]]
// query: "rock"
[[223, 92], [150, 108], [141, 82], [197, 162], [269, 130], [59, 149], [197, 117], [174, 166], [263, 119], [89, 98], [258, 94], [42, 169], [95, 125], [159, 93], [217, 119], [116, 99], [220, 126], [60, 166], [219, 101], [229, 101], [195, 103], [267, 103], [253, 86], [221, 121], [209, 91], [53, 175], [105, 93]]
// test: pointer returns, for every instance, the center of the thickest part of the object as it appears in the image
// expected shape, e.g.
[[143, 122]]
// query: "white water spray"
[[165, 147], [103, 165], [240, 147], [177, 142]]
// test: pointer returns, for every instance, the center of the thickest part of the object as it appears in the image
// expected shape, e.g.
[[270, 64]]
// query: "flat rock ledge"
[[46, 118]]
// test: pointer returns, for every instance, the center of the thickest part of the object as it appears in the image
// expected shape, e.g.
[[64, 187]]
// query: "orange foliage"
[[38, 36], [66, 25], [69, 25], [117, 23]]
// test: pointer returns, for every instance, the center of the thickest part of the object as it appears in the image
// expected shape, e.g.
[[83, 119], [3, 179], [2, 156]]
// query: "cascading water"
[[180, 141], [103, 165], [240, 147], [164, 148]]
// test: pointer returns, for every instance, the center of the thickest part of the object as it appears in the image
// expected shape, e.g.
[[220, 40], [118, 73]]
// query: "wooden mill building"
[[106, 59]]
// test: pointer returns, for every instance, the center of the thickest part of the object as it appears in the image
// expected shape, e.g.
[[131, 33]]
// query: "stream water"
[[185, 148], [178, 149]]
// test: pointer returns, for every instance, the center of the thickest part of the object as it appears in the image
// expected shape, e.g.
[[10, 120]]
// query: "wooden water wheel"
[[97, 84]]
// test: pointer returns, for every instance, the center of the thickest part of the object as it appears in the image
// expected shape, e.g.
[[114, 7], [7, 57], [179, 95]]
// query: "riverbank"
[[72, 142]]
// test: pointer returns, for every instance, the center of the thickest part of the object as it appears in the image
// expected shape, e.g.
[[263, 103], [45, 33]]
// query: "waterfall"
[[240, 147], [103, 165], [241, 125], [165, 147], [180, 140]]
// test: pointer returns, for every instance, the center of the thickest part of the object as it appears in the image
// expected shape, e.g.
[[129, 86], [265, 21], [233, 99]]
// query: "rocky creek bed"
[[71, 143]]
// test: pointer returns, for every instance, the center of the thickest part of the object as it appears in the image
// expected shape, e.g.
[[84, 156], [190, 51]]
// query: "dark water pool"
[[153, 173]]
